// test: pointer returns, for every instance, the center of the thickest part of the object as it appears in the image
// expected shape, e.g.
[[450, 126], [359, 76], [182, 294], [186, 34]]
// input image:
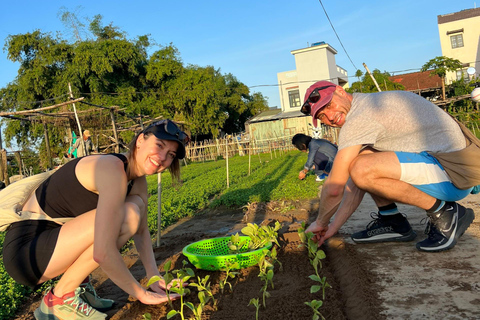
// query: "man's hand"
[[320, 233]]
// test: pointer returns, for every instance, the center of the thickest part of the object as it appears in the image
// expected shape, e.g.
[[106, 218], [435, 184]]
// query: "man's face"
[[334, 113]]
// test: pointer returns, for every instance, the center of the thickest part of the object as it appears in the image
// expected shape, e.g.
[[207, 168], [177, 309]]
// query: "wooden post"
[[1, 147], [18, 157], [226, 158], [47, 145], [249, 158], [80, 133], [115, 135], [3, 166], [159, 211]]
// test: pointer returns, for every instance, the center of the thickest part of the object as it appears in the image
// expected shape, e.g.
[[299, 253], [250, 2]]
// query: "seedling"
[[235, 245], [183, 275], [147, 316], [230, 274], [315, 305], [260, 236], [167, 278], [203, 286], [266, 275], [255, 302]]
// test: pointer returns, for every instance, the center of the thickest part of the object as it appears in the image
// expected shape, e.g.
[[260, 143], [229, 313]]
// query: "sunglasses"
[[313, 98], [172, 129]]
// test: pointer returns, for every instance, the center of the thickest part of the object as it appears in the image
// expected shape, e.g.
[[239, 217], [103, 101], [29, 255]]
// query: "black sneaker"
[[445, 227], [385, 228]]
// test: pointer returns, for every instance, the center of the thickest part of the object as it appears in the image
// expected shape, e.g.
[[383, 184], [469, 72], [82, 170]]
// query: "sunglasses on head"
[[172, 129], [313, 98]]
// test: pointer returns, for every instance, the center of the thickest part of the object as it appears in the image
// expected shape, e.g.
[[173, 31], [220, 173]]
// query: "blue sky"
[[253, 39]]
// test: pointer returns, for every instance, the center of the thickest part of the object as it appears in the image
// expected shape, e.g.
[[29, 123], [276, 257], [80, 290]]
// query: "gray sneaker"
[[70, 306], [90, 296]]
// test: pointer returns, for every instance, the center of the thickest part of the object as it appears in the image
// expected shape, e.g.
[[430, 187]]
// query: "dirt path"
[[374, 281]]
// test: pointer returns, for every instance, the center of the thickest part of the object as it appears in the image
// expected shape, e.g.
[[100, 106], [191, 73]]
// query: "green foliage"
[[108, 69], [260, 236], [367, 85], [441, 65], [315, 305], [229, 274], [256, 303]]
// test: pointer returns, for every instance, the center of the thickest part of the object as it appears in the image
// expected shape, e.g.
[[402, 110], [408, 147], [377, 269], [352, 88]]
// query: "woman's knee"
[[133, 216]]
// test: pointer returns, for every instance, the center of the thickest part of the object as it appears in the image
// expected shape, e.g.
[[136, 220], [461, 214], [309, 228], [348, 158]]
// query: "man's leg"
[[418, 180]]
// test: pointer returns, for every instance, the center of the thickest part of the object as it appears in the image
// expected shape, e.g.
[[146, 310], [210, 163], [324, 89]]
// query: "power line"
[[337, 35]]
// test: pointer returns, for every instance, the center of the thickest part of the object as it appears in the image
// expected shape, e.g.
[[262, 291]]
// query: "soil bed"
[[352, 296]]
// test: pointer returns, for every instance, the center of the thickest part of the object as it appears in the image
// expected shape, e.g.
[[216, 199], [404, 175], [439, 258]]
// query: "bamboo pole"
[[373, 78], [3, 114], [115, 134], [159, 210], [226, 158], [80, 132], [47, 145]]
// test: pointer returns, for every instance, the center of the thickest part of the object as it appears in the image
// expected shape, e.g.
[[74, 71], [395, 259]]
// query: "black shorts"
[[27, 249]]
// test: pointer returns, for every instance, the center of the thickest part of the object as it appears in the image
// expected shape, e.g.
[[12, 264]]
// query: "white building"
[[460, 39], [313, 64]]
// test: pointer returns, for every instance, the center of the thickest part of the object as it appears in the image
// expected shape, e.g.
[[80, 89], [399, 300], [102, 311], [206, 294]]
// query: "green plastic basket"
[[213, 254]]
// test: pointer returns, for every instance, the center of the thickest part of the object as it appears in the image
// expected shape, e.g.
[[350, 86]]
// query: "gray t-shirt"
[[399, 121]]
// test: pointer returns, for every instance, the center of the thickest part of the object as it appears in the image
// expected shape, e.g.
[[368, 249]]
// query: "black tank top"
[[62, 195]]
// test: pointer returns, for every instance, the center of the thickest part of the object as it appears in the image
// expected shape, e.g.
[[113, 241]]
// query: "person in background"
[[389, 145], [106, 197], [321, 154], [83, 146]]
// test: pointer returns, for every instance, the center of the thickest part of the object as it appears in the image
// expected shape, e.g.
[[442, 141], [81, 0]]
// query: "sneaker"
[[321, 177], [446, 227], [70, 306], [385, 228], [90, 296]]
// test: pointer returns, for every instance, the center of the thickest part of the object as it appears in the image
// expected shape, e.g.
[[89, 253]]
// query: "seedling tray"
[[213, 254]]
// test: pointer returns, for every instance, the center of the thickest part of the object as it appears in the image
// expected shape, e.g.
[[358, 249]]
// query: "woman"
[[107, 197], [321, 154]]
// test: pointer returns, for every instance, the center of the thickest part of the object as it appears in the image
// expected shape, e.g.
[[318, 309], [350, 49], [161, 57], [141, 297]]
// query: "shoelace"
[[78, 303], [89, 287], [430, 229], [376, 220]]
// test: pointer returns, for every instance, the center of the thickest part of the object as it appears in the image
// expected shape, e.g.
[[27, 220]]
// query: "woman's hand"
[[159, 286], [302, 174], [320, 232], [150, 297]]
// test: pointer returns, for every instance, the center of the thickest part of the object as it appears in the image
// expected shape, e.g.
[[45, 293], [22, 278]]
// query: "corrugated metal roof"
[[275, 114]]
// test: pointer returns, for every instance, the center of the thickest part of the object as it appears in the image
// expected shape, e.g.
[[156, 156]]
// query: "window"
[[294, 98], [462, 75], [457, 41]]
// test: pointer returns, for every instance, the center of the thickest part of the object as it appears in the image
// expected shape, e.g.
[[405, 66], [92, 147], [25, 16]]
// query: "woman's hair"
[[301, 141], [174, 167]]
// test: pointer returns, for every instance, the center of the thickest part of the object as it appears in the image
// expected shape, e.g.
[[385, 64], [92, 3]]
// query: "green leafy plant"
[[260, 236], [178, 286], [230, 274], [203, 286], [266, 275], [167, 278], [255, 302], [315, 305], [236, 244], [147, 316]]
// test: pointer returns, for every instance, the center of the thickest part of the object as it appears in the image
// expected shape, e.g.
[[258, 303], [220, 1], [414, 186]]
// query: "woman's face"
[[155, 155]]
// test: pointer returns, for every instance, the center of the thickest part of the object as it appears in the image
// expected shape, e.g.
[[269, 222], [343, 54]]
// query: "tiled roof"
[[418, 80], [464, 14]]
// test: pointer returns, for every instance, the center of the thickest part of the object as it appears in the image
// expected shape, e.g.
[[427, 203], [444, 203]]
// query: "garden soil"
[[369, 281]]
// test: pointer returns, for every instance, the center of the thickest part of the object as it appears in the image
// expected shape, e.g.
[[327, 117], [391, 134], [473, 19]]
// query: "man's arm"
[[333, 191]]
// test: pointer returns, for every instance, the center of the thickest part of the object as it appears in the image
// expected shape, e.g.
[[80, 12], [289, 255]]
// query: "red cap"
[[326, 94]]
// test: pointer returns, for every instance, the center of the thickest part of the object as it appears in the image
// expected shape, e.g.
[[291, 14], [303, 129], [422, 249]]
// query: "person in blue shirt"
[[321, 153]]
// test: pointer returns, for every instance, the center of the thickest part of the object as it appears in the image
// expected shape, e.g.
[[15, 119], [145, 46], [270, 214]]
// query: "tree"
[[367, 85], [440, 66]]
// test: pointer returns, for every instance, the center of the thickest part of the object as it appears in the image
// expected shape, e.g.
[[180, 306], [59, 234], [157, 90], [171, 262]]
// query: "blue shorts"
[[425, 173]]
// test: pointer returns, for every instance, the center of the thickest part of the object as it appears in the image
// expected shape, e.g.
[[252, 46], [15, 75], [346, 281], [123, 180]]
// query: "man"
[[83, 146], [383, 141]]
